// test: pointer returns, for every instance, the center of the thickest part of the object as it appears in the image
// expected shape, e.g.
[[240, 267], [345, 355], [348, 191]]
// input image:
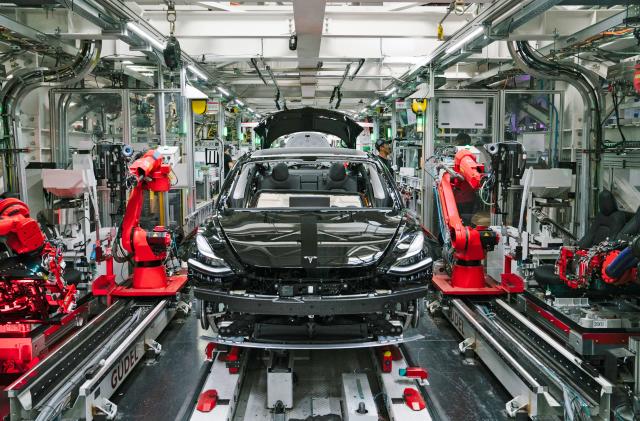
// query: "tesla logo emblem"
[[310, 259]]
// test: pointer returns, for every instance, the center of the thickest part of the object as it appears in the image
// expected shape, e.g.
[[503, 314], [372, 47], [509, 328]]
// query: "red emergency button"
[[414, 399], [207, 400], [387, 362]]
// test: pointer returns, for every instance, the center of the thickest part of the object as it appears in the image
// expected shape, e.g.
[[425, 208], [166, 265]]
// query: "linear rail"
[[77, 380]]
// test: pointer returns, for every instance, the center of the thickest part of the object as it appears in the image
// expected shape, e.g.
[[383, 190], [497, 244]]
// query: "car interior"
[[313, 184]]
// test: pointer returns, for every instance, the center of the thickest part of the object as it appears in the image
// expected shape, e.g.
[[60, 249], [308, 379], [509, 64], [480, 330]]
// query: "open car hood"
[[308, 119]]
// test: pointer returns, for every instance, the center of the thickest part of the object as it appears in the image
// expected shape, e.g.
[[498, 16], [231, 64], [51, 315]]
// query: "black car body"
[[310, 245]]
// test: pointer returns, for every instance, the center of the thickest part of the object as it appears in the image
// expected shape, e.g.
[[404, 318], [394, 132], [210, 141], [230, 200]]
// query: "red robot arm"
[[22, 232], [470, 244], [149, 249]]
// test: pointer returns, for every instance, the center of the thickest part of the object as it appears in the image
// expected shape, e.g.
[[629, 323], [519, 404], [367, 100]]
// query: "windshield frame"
[[228, 187]]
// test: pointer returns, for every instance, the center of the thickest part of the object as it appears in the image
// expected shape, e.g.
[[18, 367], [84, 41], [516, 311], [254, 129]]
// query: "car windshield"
[[303, 183]]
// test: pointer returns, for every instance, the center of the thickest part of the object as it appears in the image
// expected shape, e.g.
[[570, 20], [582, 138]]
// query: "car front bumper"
[[312, 304]]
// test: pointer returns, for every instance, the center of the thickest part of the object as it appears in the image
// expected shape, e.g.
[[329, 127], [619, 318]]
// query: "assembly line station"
[[312, 210]]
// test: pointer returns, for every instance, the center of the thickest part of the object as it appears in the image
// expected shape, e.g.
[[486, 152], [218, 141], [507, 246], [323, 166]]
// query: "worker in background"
[[462, 139], [383, 146], [228, 160]]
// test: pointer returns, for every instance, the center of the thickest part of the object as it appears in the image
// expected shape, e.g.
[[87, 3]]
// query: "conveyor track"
[[536, 369]]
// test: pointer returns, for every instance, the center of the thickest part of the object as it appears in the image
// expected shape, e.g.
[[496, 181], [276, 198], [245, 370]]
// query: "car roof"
[[299, 152]]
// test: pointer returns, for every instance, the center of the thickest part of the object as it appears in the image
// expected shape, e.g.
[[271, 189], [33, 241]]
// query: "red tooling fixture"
[[613, 262], [232, 358], [149, 249], [414, 399], [470, 244], [30, 299], [207, 400], [32, 290], [414, 373]]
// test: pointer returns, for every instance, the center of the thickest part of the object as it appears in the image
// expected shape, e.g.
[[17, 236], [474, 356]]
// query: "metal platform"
[[318, 385]]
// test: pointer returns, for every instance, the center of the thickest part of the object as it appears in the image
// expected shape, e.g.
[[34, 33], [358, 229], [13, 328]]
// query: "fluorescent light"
[[391, 91], [197, 72], [223, 91], [125, 62], [240, 103], [144, 35], [464, 40], [191, 92], [374, 103], [250, 110]]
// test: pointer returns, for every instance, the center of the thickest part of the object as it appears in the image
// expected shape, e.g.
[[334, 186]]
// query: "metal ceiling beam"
[[560, 44], [309, 19], [37, 36]]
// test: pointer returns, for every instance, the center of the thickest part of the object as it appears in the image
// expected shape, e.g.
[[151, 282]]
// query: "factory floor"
[[159, 389], [458, 392]]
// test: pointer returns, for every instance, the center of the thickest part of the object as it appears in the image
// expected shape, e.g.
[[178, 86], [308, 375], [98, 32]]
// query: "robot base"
[[443, 283], [510, 284], [105, 285]]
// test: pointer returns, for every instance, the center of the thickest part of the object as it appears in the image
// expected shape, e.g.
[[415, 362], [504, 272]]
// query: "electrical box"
[[462, 113], [357, 399], [170, 154]]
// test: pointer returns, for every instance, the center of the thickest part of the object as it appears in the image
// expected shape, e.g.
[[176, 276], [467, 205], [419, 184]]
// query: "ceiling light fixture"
[[144, 35], [465, 40], [250, 110], [374, 103], [240, 103], [391, 91], [193, 69], [223, 91]]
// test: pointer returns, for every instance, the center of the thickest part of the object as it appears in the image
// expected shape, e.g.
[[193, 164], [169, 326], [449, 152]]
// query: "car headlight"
[[207, 260], [412, 255]]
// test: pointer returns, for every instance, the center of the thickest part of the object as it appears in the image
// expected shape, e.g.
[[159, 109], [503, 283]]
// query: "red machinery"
[[31, 283], [470, 244], [36, 305], [612, 262], [148, 249]]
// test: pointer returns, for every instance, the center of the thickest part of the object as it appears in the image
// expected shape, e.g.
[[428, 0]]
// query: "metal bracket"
[[433, 306], [183, 307], [515, 405], [466, 345], [153, 346], [108, 408]]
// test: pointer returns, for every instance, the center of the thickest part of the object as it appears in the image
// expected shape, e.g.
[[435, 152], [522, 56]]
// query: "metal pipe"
[[360, 64], [526, 60], [254, 63], [25, 81]]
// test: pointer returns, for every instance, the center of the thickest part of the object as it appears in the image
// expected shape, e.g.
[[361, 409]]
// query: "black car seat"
[[608, 223], [631, 229], [279, 179], [339, 179]]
